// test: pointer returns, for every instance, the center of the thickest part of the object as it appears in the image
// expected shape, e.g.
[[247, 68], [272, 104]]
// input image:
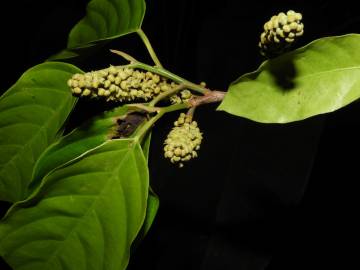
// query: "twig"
[[167, 74], [124, 55], [190, 113], [149, 48], [208, 97], [143, 107], [166, 94]]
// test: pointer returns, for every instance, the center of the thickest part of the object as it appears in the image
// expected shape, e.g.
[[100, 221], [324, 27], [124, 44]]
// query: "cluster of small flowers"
[[182, 97], [183, 140], [279, 32], [119, 84]]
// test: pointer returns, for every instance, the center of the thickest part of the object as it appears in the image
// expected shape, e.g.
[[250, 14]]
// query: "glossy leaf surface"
[[105, 20], [153, 201], [32, 112], [153, 204], [318, 78], [85, 215], [91, 134]]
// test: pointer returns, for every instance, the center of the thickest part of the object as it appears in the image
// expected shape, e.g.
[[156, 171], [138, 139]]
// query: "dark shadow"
[[125, 127], [4, 206], [4, 265], [78, 55], [283, 70]]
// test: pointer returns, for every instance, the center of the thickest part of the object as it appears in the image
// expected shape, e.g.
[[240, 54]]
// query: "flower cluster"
[[280, 32], [183, 140], [181, 97], [119, 84]]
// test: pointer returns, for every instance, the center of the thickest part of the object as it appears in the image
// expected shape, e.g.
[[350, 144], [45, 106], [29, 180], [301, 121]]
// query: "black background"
[[259, 196]]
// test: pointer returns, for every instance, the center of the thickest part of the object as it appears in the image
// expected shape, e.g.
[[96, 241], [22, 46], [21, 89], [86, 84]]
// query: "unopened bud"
[[183, 140], [280, 32]]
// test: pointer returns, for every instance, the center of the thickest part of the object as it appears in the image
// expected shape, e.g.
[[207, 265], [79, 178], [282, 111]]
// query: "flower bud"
[[280, 32], [181, 97], [183, 140]]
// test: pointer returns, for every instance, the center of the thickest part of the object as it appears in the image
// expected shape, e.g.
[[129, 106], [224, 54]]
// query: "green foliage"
[[90, 197], [83, 139], [153, 202], [146, 146], [85, 215], [91, 134], [32, 113], [105, 20], [318, 78], [152, 206]]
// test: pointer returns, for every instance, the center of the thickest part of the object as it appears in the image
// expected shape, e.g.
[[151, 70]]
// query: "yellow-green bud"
[[181, 97], [86, 92], [280, 32], [111, 78], [107, 84], [183, 140], [77, 90], [101, 92], [69, 83], [112, 70]]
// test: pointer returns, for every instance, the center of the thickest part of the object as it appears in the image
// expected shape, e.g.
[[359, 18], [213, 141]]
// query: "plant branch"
[[191, 112], [150, 49], [167, 74], [166, 94], [143, 107], [125, 56], [140, 134], [175, 107], [209, 97]]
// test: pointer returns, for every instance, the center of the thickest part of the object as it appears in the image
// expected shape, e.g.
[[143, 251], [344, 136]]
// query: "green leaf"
[[151, 211], [318, 78], [152, 207], [105, 20], [85, 216], [146, 146], [153, 202], [91, 134], [31, 114]]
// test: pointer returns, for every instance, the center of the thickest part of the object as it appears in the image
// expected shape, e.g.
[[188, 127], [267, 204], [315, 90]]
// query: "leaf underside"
[[318, 78]]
